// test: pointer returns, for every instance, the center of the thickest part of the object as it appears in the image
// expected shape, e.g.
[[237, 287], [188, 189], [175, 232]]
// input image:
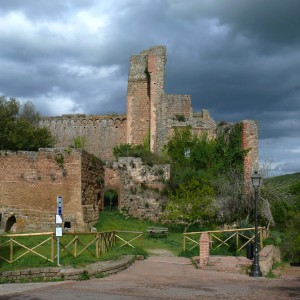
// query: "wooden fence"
[[44, 245], [218, 238]]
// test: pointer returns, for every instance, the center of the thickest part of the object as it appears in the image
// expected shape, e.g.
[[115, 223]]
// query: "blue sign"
[[59, 205]]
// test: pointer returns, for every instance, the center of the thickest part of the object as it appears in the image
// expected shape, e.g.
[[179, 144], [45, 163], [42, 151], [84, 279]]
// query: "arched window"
[[10, 223]]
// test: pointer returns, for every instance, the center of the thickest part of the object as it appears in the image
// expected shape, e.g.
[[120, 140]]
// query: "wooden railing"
[[220, 238], [44, 245], [123, 235]]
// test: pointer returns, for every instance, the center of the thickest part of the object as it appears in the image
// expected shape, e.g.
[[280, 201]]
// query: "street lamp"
[[255, 271]]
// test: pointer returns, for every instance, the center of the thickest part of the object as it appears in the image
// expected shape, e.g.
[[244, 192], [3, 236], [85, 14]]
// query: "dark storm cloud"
[[238, 58], [250, 63], [271, 21]]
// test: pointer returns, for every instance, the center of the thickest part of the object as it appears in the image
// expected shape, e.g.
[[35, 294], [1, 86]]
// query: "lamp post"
[[255, 271]]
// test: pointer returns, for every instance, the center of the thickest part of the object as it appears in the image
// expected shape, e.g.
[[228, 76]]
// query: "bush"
[[128, 150]]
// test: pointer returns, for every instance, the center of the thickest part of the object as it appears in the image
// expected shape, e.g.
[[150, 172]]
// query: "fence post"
[[52, 248], [75, 246], [11, 256], [97, 245], [204, 249]]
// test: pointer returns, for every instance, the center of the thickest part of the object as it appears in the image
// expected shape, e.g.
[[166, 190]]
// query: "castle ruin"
[[150, 114]]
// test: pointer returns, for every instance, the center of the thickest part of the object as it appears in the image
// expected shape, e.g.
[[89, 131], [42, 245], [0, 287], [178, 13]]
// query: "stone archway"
[[112, 189], [10, 223], [111, 200]]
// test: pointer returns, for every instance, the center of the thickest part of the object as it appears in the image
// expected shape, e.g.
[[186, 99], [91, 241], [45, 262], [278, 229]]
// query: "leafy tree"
[[181, 142], [193, 202], [18, 127]]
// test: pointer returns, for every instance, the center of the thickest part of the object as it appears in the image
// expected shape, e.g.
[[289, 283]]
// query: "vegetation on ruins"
[[203, 169], [142, 151], [215, 163], [19, 127], [79, 142]]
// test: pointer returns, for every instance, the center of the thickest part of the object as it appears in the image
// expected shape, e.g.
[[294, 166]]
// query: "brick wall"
[[250, 141], [204, 249], [31, 181]]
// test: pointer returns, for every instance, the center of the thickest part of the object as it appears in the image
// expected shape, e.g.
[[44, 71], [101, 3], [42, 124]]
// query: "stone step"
[[232, 264]]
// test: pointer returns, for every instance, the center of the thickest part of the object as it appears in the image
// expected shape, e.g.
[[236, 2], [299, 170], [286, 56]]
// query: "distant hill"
[[286, 181]]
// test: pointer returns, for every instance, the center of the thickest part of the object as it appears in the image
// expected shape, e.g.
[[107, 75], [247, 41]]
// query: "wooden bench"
[[157, 231]]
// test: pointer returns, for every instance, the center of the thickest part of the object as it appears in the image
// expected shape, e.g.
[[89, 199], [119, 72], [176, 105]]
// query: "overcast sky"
[[239, 59]]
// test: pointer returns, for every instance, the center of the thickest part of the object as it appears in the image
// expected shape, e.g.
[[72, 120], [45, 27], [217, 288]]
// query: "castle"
[[150, 114]]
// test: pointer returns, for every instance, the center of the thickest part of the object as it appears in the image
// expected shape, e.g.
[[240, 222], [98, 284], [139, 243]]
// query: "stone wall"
[[95, 270], [140, 189], [31, 181], [102, 133], [268, 256]]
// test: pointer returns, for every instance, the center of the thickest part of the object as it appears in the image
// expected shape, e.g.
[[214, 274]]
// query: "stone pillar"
[[204, 249], [156, 69]]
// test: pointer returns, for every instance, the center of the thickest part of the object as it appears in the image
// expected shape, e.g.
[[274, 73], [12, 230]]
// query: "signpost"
[[58, 222]]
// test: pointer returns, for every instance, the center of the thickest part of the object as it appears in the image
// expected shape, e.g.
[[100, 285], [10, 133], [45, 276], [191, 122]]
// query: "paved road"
[[160, 277]]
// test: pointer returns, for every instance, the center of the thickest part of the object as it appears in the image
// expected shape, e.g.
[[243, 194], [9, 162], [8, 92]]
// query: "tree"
[[19, 127], [193, 202]]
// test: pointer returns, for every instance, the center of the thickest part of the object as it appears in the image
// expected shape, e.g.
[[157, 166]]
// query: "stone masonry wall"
[[141, 186], [102, 133], [31, 181], [92, 186]]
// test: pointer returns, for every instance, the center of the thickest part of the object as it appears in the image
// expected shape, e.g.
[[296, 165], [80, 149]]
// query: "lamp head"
[[256, 180]]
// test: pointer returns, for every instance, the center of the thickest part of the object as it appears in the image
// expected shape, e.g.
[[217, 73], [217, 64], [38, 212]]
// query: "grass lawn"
[[108, 221], [115, 221]]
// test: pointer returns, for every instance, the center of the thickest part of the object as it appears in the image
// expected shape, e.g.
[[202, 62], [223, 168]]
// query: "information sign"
[[58, 231], [58, 219]]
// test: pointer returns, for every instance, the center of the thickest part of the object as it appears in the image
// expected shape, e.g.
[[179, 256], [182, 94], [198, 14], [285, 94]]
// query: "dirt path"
[[164, 276]]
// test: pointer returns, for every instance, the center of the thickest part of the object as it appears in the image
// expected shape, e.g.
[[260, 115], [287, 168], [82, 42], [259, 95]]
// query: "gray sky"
[[239, 59]]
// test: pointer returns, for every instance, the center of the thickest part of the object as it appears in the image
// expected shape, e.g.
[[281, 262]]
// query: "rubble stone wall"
[[140, 188]]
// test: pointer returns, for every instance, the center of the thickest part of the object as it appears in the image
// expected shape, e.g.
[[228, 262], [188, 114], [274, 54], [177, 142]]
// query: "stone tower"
[[145, 89]]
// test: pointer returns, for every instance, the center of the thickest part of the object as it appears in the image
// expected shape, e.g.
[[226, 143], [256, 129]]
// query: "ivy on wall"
[[200, 156]]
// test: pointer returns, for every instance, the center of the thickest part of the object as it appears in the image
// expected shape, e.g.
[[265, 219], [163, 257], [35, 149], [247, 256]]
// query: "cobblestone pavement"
[[162, 277]]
